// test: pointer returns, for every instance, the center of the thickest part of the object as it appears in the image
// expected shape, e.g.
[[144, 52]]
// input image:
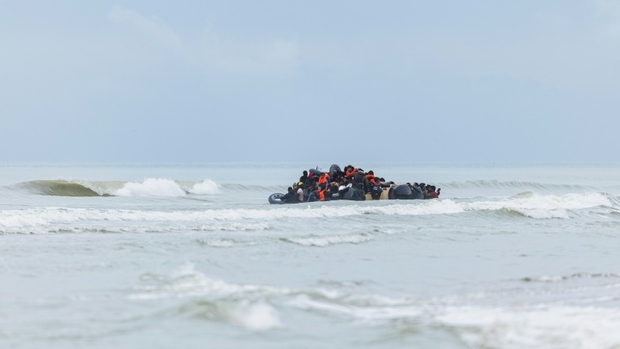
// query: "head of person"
[[305, 173], [290, 190]]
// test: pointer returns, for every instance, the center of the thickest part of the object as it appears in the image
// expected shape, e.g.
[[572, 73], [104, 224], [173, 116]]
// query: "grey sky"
[[352, 81]]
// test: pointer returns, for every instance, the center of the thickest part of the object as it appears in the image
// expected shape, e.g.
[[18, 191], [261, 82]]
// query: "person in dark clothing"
[[304, 178], [290, 196]]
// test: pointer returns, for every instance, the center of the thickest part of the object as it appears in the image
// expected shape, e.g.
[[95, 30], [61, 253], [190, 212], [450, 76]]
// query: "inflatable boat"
[[400, 192], [379, 190]]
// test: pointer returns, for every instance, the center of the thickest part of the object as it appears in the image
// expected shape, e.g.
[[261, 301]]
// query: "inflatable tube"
[[403, 191], [334, 168], [385, 194], [276, 198], [417, 193]]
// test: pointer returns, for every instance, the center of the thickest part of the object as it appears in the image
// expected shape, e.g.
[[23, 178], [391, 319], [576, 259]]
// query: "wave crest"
[[322, 241], [155, 187], [60, 188]]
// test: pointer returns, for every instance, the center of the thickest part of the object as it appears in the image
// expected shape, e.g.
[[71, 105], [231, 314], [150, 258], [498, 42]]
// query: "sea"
[[194, 256]]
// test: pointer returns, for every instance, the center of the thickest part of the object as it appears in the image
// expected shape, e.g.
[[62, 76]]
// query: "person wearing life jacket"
[[324, 179], [370, 176], [323, 192], [350, 171]]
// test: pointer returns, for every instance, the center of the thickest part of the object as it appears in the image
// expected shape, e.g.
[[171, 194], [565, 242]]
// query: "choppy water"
[[181, 256]]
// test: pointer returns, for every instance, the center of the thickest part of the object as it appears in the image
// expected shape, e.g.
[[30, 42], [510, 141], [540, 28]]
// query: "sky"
[[280, 81]]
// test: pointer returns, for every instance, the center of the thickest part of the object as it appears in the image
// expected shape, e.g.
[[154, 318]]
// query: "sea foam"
[[542, 206], [151, 187], [534, 326], [322, 241], [205, 187]]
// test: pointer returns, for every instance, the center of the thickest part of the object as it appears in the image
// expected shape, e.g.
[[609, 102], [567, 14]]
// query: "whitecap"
[[322, 241], [205, 187], [151, 187]]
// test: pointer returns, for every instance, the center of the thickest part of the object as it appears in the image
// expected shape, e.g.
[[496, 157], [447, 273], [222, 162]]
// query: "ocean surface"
[[193, 256]]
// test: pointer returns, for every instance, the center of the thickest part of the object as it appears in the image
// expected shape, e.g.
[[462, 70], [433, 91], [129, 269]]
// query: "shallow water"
[[190, 256]]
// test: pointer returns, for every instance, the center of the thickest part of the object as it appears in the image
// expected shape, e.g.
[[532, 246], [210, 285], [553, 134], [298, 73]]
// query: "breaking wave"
[[54, 219], [258, 307], [156, 187], [519, 185], [64, 188], [558, 278], [537, 206], [322, 241]]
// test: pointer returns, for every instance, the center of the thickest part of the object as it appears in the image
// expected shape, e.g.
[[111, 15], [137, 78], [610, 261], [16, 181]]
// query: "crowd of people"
[[316, 185]]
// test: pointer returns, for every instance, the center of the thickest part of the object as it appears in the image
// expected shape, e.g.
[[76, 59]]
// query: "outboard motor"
[[403, 192]]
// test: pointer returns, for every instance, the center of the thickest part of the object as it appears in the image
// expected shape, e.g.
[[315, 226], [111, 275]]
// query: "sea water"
[[194, 256]]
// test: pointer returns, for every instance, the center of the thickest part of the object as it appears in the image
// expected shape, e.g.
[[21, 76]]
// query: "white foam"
[[187, 282], [241, 305], [542, 206], [535, 326], [42, 220], [220, 243], [322, 241], [52, 219], [205, 187], [31, 220], [254, 316], [151, 187]]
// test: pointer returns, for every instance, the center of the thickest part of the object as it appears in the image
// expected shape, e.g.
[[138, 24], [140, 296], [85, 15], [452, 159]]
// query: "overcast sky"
[[394, 81]]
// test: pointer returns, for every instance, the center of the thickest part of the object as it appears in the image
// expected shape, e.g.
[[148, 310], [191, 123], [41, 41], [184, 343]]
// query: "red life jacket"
[[350, 172], [371, 178]]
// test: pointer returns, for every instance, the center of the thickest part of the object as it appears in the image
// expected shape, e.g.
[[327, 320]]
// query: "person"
[[350, 172], [323, 192], [337, 176], [432, 194], [324, 179], [299, 192], [304, 177], [290, 196], [370, 176], [418, 191]]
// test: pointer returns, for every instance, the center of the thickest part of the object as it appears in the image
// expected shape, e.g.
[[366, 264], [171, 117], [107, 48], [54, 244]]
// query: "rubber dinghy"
[[400, 192], [353, 191]]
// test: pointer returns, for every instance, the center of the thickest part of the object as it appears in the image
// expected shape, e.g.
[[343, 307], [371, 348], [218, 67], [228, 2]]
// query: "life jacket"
[[371, 178], [322, 195], [350, 172], [323, 179]]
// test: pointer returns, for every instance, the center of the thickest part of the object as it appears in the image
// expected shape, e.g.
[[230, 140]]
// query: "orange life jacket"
[[350, 172], [323, 179], [371, 178]]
